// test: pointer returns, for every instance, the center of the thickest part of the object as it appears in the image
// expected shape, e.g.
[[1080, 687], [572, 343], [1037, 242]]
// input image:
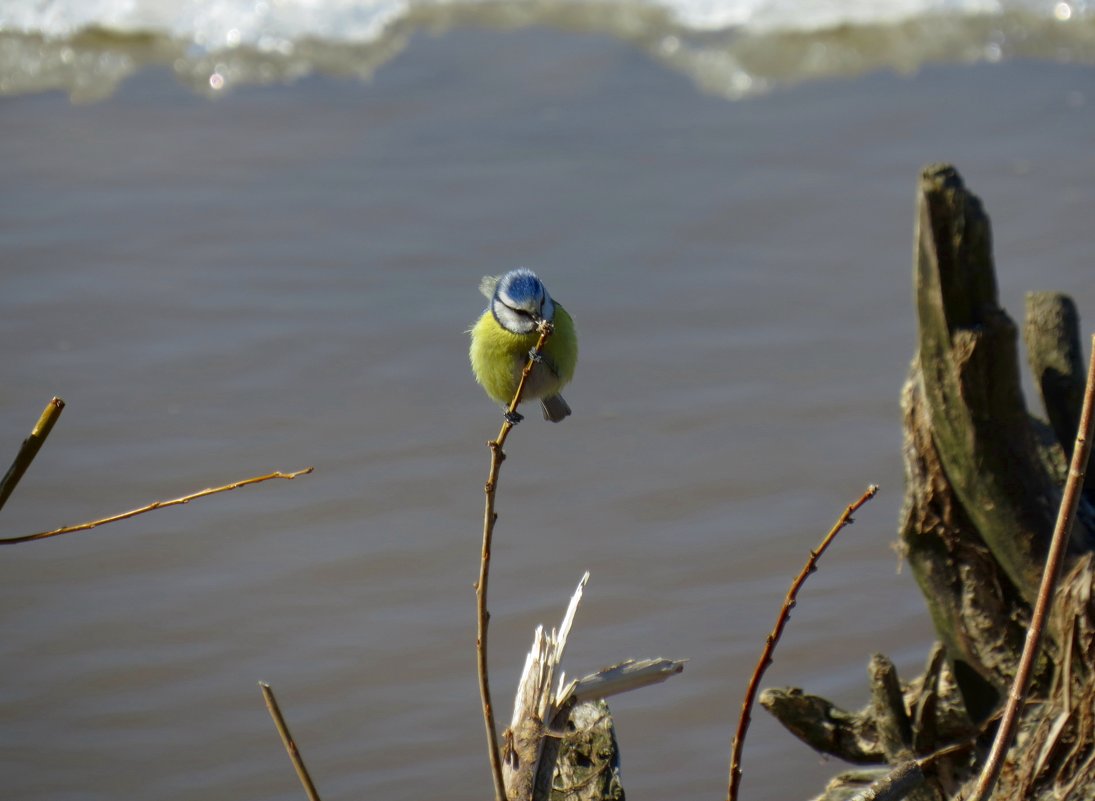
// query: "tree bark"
[[983, 482]]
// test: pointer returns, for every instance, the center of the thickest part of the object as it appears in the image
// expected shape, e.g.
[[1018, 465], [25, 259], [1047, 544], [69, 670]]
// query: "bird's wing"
[[549, 363], [488, 285]]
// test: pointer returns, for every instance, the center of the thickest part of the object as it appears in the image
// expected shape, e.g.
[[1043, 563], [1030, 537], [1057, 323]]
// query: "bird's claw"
[[513, 418], [535, 355]]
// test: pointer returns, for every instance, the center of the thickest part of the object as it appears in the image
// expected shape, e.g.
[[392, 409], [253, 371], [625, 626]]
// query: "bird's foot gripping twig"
[[513, 418]]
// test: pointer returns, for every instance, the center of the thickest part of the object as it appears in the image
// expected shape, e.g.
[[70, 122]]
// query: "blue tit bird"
[[507, 331]]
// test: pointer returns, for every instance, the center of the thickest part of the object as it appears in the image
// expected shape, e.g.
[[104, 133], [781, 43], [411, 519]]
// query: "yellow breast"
[[498, 357]]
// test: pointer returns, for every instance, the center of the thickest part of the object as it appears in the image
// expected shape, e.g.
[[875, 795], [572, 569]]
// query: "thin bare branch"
[[1066, 515], [153, 506], [288, 742], [770, 642], [546, 329], [489, 518], [30, 447]]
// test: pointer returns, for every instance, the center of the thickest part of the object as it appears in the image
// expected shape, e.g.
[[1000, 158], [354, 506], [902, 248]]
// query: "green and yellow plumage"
[[499, 354]]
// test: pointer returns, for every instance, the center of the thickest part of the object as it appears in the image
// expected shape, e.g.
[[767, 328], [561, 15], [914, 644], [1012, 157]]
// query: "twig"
[[771, 640], [546, 329], [152, 507], [29, 449], [489, 518], [287, 740], [1070, 499]]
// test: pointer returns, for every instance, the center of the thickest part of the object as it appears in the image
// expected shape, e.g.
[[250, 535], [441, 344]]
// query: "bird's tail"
[[555, 408]]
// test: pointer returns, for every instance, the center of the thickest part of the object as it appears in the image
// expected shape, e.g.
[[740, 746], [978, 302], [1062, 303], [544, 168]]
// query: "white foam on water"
[[229, 23], [729, 47]]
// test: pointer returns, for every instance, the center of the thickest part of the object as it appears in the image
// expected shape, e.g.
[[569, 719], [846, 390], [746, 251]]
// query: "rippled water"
[[284, 278]]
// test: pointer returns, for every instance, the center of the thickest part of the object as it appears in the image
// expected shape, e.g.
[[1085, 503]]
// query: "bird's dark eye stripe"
[[518, 312]]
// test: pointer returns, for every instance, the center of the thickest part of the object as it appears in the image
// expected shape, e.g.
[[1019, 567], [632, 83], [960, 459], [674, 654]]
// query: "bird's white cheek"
[[511, 320]]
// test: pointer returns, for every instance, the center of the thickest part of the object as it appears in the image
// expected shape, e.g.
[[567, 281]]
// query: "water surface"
[[284, 277]]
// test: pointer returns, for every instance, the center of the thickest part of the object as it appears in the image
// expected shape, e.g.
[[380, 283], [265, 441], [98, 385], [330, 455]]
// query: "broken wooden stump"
[[983, 481], [561, 745]]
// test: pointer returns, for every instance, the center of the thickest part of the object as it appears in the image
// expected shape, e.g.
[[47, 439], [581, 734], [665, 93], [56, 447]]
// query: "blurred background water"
[[276, 268], [733, 48]]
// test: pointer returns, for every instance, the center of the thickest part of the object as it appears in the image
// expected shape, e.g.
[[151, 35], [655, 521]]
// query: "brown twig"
[[1070, 499], [489, 518], [152, 507], [771, 640], [29, 449], [288, 742]]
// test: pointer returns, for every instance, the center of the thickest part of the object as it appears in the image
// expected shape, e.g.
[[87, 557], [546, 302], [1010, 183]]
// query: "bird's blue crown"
[[519, 300], [521, 285]]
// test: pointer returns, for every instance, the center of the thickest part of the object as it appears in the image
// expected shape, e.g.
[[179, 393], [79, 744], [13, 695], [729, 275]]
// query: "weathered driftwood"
[[587, 767], [969, 367], [1051, 333], [877, 784], [929, 709], [982, 489], [561, 744]]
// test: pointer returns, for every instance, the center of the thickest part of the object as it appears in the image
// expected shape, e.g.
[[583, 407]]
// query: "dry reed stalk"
[[1070, 500], [30, 447], [288, 742]]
